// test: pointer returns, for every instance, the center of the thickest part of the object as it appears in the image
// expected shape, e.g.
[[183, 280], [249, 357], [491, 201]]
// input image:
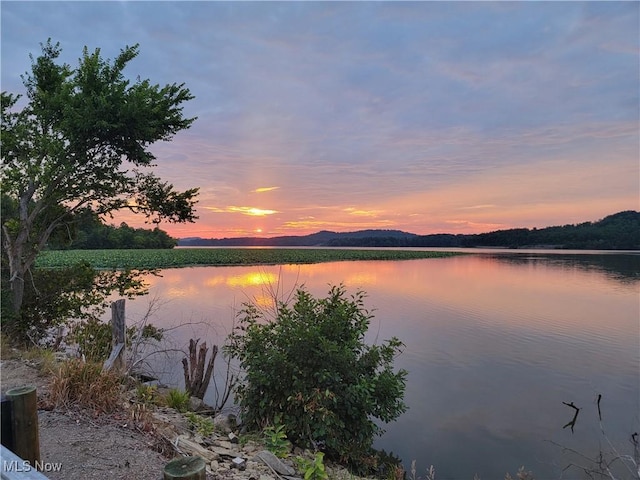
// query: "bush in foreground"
[[310, 369]]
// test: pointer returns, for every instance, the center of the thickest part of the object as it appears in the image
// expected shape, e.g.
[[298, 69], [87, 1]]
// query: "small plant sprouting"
[[276, 440], [203, 426], [178, 399], [313, 469], [146, 394]]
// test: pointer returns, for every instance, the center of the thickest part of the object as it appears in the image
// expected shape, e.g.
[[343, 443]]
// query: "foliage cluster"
[[203, 426], [275, 439], [311, 369], [54, 297], [93, 337], [313, 469], [178, 399], [147, 395]]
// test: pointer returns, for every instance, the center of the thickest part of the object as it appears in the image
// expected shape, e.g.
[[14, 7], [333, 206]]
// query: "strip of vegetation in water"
[[163, 258]]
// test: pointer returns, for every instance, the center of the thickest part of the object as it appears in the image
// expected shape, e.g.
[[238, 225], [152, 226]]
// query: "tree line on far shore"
[[90, 233], [620, 231]]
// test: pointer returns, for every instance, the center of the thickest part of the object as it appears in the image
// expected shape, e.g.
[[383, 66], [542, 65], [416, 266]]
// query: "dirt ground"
[[84, 447]]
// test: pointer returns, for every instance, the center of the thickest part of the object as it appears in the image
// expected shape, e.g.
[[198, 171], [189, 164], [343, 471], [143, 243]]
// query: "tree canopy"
[[89, 233], [81, 143]]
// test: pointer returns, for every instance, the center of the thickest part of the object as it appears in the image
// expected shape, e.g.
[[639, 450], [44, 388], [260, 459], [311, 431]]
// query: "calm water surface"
[[495, 342]]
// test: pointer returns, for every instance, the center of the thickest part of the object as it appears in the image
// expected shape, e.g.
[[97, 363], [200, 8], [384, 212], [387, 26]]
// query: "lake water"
[[495, 343]]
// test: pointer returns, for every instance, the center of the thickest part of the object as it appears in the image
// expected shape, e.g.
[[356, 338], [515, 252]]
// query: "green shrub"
[[311, 368], [178, 399]]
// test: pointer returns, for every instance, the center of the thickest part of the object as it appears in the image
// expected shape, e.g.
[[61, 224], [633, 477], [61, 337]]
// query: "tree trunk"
[[17, 293], [17, 268], [22, 246]]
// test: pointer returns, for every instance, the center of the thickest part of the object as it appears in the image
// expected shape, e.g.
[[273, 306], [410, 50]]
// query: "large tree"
[[80, 141]]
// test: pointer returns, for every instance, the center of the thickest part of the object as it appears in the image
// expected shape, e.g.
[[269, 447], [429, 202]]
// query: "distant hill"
[[620, 231], [322, 238]]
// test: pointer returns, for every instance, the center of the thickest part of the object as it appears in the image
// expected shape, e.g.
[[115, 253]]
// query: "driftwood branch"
[[572, 423]]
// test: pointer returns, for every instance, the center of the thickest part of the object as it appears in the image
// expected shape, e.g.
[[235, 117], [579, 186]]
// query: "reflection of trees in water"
[[624, 268]]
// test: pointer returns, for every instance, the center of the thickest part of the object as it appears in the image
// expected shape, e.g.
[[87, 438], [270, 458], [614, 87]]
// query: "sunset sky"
[[428, 117]]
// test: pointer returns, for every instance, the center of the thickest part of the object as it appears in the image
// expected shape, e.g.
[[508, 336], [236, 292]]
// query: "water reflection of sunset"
[[503, 290], [243, 280]]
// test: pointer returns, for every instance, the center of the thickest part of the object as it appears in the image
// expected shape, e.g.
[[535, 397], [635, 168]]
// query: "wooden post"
[[118, 331], [6, 419], [187, 468], [24, 406]]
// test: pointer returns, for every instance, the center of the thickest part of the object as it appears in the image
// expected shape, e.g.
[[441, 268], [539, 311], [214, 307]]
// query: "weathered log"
[[188, 468], [118, 331], [24, 411], [196, 378], [190, 447]]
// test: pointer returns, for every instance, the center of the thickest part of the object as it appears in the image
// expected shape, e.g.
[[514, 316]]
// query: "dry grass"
[[43, 359], [75, 383]]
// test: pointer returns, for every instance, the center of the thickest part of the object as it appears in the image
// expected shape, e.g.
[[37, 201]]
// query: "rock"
[[274, 462], [239, 463], [224, 452], [233, 438], [223, 444], [225, 423], [195, 404]]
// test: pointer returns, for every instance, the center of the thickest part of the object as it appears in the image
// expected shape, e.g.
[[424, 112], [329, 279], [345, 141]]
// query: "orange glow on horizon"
[[488, 201]]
